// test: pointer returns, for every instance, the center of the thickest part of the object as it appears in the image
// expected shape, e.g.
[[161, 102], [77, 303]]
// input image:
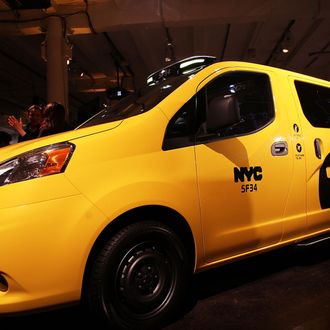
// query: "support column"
[[57, 71]]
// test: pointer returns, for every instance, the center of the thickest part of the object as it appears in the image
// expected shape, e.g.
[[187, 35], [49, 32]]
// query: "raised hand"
[[17, 124]]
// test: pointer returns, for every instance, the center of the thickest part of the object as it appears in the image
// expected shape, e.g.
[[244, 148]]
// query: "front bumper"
[[44, 246]]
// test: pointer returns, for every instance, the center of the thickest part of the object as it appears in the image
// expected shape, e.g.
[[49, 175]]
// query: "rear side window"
[[315, 103]]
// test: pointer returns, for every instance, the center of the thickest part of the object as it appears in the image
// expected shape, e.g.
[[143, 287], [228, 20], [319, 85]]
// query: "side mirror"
[[222, 112]]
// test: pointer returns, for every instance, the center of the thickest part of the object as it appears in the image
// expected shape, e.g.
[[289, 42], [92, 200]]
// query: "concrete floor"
[[282, 290]]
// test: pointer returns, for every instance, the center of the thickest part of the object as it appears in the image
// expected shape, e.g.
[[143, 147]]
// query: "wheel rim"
[[144, 281]]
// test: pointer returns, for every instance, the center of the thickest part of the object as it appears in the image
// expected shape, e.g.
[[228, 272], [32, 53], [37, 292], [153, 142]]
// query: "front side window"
[[315, 103], [248, 94], [182, 128], [251, 94]]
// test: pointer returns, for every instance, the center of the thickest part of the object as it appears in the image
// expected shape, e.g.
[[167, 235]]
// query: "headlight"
[[37, 163]]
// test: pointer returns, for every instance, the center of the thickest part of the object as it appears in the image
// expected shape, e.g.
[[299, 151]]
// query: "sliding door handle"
[[317, 147]]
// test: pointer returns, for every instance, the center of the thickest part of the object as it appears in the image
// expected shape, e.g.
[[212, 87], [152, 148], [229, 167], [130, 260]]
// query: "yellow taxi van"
[[210, 162]]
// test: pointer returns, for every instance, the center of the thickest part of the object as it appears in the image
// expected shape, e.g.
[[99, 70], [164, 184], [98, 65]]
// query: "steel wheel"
[[139, 278]]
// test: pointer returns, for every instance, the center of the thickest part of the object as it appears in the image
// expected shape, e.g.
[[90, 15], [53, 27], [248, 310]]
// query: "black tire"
[[140, 278]]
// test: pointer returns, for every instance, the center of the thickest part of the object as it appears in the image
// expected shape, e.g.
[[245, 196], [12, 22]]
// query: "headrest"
[[222, 111]]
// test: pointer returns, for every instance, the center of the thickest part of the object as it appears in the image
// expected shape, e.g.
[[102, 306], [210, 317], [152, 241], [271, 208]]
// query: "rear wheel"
[[140, 277]]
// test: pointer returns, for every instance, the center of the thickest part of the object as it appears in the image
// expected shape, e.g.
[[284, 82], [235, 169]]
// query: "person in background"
[[32, 129], [5, 139], [54, 120]]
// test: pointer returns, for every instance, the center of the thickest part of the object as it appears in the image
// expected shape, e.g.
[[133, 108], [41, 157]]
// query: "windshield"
[[137, 103]]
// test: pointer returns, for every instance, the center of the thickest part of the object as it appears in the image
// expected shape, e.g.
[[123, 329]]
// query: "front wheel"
[[140, 277]]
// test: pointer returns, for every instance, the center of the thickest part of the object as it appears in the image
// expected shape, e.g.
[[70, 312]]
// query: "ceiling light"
[[285, 50]]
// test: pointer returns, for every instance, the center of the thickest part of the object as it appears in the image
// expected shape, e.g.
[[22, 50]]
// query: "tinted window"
[[138, 102], [315, 103], [252, 94], [182, 128]]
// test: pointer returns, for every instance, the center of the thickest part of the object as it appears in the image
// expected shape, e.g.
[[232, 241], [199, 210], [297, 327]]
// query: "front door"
[[244, 171]]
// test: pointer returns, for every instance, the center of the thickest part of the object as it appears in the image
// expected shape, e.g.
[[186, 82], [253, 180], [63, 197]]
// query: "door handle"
[[279, 148], [317, 146]]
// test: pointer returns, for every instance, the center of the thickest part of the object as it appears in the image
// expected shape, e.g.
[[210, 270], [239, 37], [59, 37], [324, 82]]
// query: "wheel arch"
[[163, 214]]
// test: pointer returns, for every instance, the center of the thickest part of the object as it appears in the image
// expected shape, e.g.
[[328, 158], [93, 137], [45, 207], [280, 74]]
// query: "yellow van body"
[[230, 196]]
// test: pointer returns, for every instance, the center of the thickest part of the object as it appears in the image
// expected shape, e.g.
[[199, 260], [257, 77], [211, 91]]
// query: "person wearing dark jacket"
[[32, 129], [54, 120]]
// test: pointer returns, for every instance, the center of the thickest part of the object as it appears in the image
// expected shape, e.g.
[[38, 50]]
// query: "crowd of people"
[[41, 121]]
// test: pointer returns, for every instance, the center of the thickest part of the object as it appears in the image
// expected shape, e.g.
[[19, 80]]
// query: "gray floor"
[[286, 289]]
